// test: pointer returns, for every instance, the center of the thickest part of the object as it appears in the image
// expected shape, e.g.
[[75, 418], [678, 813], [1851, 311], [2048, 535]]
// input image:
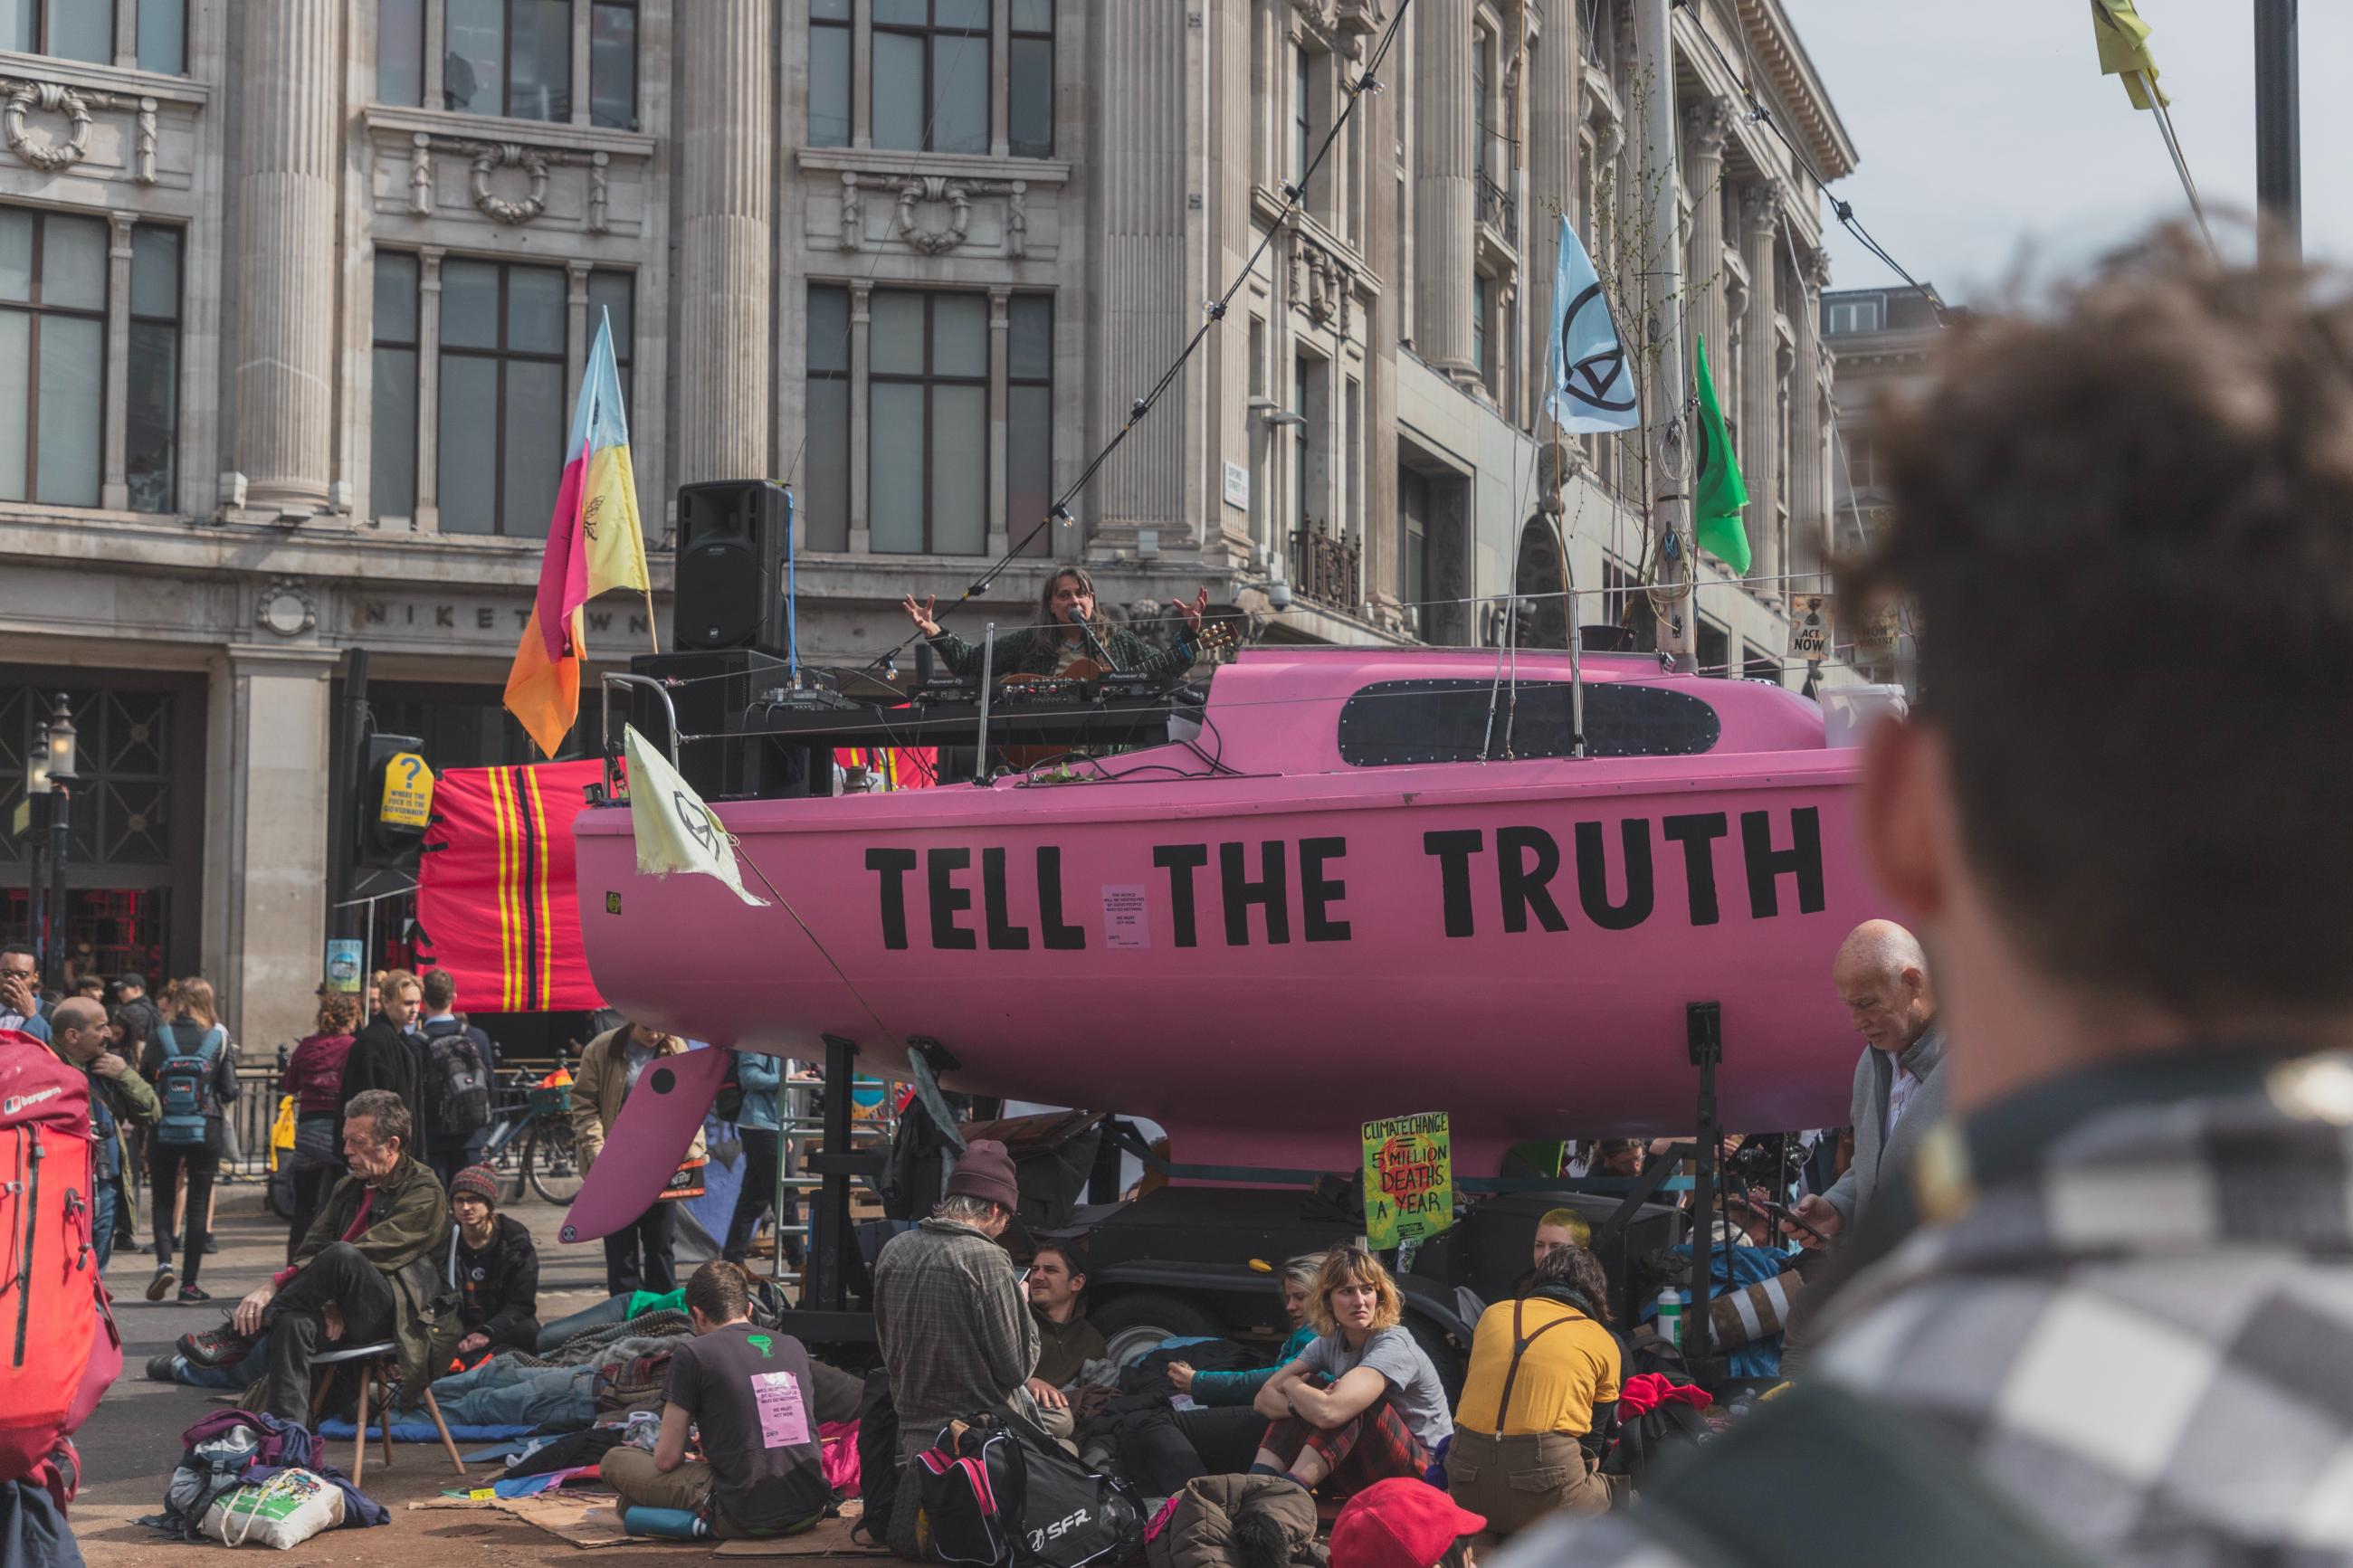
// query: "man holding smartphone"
[[20, 990]]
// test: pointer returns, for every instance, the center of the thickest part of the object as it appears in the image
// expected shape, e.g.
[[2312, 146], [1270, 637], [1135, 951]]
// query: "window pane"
[[162, 36], [828, 329], [825, 506], [469, 444], [828, 87], [610, 294], [472, 69], [1029, 471], [829, 10], [74, 263], [959, 93], [395, 297], [535, 452], [469, 304], [898, 92], [16, 384], [895, 478], [155, 271], [152, 438], [392, 432], [1030, 112], [1033, 16], [538, 83], [1029, 351], [399, 51], [535, 309], [900, 13], [20, 28], [613, 66], [15, 253], [895, 340], [959, 334], [969, 14], [960, 470], [73, 353], [82, 30]]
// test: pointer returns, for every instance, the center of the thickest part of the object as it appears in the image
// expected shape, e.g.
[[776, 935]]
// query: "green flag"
[[1719, 495]]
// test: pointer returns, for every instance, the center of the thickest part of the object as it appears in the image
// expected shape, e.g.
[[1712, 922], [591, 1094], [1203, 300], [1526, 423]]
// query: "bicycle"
[[531, 1142]]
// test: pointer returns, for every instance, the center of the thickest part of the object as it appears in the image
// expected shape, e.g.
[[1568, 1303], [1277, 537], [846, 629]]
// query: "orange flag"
[[544, 693]]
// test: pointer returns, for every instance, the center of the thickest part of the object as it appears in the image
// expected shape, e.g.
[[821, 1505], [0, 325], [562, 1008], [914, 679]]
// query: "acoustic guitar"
[[1081, 681]]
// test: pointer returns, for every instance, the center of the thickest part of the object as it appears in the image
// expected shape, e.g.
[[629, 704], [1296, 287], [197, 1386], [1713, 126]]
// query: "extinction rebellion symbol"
[[696, 819]]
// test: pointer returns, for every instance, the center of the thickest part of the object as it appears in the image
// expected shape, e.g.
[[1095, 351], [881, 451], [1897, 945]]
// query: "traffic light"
[[395, 802]]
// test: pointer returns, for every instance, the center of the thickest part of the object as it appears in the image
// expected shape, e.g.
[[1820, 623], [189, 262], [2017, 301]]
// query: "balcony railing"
[[1324, 565], [1497, 208]]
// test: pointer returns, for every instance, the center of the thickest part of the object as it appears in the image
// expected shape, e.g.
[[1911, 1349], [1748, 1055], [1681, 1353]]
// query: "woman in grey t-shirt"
[[1362, 1402]]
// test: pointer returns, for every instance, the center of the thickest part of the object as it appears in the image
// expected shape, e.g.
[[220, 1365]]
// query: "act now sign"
[[1408, 1179]]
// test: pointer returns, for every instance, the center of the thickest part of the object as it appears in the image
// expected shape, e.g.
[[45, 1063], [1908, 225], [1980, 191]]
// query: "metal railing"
[[1497, 208], [1324, 565]]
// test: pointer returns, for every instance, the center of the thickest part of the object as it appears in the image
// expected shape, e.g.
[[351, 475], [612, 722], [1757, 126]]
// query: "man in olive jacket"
[[363, 1274], [639, 1254]]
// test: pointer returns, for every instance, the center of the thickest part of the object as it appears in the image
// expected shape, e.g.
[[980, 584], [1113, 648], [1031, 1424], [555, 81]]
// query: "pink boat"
[[1315, 906]]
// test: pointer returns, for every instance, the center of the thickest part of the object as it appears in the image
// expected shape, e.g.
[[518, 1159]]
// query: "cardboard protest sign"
[[1408, 1179]]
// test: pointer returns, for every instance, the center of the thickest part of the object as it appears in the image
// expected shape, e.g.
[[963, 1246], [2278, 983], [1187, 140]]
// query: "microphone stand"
[[1087, 629]]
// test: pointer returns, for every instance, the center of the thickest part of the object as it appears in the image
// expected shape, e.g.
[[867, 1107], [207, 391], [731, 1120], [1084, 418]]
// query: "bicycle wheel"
[[550, 1163]]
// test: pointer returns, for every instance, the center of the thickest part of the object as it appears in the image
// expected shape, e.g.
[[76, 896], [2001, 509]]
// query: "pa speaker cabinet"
[[731, 566], [713, 691]]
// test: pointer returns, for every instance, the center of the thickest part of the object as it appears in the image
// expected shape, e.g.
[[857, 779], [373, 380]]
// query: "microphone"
[[1087, 629]]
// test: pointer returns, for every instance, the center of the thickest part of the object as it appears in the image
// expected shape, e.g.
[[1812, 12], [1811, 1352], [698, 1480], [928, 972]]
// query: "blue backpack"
[[185, 1084]]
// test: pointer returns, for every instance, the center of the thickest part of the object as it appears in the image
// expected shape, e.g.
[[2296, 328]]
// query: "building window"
[[825, 506], [613, 296], [828, 77], [613, 64], [151, 432], [503, 405], [927, 421], [1354, 438], [1029, 74], [69, 29], [1413, 537], [1714, 649], [163, 41], [392, 420], [1030, 420], [1302, 115], [930, 90], [53, 272], [400, 54], [1854, 315], [1483, 135], [514, 57], [1479, 292]]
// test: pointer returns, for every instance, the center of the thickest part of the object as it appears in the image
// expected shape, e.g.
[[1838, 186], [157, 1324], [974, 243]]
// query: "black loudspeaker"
[[711, 692], [731, 566]]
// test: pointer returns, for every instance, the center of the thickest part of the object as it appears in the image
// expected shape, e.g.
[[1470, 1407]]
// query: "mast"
[[1667, 436]]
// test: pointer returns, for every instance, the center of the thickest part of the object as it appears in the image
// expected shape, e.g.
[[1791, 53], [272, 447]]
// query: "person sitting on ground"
[[954, 1331], [1540, 1400], [1066, 1340], [314, 1076], [750, 1397], [1363, 1402], [1225, 1430], [1404, 1522], [1756, 1291], [494, 1269], [364, 1274]]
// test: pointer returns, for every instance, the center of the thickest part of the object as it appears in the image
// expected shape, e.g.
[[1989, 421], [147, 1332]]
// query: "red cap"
[[1399, 1523]]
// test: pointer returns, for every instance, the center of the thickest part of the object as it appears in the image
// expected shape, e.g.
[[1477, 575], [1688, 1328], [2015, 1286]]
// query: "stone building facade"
[[294, 294]]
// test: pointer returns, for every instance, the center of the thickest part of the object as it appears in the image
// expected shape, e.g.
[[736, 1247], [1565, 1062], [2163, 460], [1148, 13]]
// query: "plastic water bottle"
[[1671, 1316]]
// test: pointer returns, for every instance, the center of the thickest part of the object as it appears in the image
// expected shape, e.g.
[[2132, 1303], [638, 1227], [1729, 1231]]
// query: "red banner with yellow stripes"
[[496, 889]]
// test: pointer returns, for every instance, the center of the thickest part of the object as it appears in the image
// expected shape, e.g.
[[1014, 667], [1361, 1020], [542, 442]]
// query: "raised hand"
[[922, 614], [1192, 612]]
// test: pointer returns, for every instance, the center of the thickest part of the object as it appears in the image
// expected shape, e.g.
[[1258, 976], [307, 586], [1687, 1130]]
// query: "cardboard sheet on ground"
[[830, 1537], [584, 1519], [658, 1122]]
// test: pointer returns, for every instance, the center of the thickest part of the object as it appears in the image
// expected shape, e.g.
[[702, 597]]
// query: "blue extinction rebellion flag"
[[1590, 387]]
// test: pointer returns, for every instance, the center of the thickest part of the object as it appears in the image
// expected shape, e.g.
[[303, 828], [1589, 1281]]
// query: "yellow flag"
[[675, 830], [2123, 38]]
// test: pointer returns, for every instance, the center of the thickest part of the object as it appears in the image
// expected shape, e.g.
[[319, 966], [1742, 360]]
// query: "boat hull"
[[1262, 963]]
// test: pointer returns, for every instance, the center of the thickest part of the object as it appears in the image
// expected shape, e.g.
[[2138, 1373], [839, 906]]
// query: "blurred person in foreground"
[[2105, 1312]]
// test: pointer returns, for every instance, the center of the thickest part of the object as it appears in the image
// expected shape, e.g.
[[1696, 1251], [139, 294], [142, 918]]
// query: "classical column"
[[1445, 204], [114, 493], [726, 114], [1555, 102], [1706, 126], [1810, 523], [1760, 383], [287, 223]]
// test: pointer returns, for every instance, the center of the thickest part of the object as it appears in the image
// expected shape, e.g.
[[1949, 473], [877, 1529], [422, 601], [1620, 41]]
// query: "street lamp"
[[58, 743]]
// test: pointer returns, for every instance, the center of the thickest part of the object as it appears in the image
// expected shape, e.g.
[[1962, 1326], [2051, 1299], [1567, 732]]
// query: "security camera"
[[1277, 595]]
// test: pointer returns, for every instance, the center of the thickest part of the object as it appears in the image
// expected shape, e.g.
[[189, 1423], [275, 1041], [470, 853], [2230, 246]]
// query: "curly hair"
[[1581, 1272], [2126, 525], [339, 1013], [1354, 1266]]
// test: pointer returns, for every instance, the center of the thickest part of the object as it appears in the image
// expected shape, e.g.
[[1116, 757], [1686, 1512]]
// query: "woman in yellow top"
[[1540, 1400]]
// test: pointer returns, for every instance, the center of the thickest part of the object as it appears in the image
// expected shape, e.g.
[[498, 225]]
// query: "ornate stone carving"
[[1017, 219], [1708, 125], [600, 192], [285, 607], [934, 190], [420, 175], [853, 214], [36, 147], [143, 156], [490, 156], [1322, 285], [1761, 205]]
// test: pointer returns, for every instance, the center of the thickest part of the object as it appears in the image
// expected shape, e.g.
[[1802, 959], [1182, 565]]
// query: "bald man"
[[1881, 975], [81, 1037]]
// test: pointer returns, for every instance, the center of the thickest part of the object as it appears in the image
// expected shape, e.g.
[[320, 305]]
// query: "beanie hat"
[[479, 1180], [1400, 1522], [984, 1171]]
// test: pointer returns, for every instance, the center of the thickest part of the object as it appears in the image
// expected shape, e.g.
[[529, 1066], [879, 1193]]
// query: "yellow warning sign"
[[407, 791]]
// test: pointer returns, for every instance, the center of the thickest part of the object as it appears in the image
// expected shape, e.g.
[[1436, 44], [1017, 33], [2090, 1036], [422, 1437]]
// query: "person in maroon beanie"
[[1403, 1523]]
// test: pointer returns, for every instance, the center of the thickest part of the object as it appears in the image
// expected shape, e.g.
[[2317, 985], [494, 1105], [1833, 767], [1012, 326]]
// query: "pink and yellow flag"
[[596, 540]]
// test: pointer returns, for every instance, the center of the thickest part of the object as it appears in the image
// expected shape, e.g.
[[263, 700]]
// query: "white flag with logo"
[[675, 831], [1590, 387]]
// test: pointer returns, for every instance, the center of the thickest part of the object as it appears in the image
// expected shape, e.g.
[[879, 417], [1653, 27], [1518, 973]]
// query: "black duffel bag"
[[999, 1493]]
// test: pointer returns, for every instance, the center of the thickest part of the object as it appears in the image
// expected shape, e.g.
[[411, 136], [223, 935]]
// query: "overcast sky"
[[1987, 136]]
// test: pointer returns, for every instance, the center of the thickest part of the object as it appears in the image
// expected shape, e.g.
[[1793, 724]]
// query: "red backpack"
[[59, 1349]]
